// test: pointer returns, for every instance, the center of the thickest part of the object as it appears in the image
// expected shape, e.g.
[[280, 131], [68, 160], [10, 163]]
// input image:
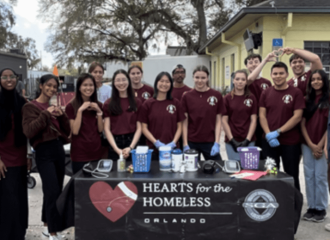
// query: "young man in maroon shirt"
[[281, 109], [298, 64], [179, 88], [257, 85]]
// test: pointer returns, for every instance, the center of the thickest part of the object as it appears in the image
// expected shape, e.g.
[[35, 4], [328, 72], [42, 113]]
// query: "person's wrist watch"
[[278, 131]]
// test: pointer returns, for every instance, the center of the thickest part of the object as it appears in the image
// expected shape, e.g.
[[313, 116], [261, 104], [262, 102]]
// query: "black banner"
[[183, 206]]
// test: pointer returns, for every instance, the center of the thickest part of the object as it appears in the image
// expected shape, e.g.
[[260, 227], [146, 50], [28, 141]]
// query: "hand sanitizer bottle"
[[121, 164]]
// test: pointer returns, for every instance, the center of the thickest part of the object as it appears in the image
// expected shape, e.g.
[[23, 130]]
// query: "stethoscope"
[[109, 209]]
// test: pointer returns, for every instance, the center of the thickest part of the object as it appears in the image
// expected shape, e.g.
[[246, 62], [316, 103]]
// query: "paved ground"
[[306, 231]]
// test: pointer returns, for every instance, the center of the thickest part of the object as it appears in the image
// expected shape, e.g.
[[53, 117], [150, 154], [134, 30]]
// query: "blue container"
[[141, 162], [165, 159]]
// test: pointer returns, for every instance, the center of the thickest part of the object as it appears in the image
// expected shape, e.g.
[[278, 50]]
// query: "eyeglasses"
[[12, 77]]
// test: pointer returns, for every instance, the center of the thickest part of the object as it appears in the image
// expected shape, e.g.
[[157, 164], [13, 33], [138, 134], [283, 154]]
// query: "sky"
[[28, 25]]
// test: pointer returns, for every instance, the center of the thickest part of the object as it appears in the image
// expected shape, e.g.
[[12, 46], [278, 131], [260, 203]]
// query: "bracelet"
[[99, 114]]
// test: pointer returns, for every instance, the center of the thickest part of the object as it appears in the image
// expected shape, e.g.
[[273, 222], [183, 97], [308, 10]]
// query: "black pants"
[[122, 141], [50, 159], [259, 132], [205, 149], [290, 154], [13, 204]]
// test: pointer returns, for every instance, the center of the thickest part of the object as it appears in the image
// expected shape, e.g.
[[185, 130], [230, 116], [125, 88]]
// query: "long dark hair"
[[169, 93], [78, 100], [44, 79], [246, 89], [11, 103], [114, 106], [311, 94]]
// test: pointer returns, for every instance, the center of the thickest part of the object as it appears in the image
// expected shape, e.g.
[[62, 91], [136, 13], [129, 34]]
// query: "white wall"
[[153, 65]]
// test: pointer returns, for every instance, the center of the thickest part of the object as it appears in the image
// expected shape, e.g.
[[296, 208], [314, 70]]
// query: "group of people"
[[277, 118]]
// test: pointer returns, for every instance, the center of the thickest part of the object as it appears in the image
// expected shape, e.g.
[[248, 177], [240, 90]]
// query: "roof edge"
[[245, 11]]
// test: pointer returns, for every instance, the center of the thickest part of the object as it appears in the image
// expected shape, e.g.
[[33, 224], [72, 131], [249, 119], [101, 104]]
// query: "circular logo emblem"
[[260, 205], [212, 100], [248, 102], [287, 98], [146, 95], [171, 108], [264, 86]]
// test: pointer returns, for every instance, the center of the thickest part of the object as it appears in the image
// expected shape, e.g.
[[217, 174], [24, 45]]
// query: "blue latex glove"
[[185, 148], [159, 144], [274, 142], [215, 149], [171, 144], [272, 135]]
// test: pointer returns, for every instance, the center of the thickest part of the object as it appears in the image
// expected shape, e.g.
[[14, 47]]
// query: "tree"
[[102, 30], [10, 40], [7, 21]]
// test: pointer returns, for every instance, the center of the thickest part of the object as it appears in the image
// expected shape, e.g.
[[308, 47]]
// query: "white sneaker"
[[53, 237], [327, 227], [45, 232]]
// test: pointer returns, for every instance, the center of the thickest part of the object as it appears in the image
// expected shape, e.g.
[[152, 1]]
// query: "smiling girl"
[[314, 127], [86, 121], [121, 126], [162, 116], [48, 128], [203, 107], [13, 161], [240, 116]]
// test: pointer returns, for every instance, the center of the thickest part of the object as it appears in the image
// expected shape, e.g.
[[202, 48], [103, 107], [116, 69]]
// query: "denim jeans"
[[232, 155], [316, 179]]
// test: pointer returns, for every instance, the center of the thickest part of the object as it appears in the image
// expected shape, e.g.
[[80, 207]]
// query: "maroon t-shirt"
[[125, 122], [301, 82], [280, 105], [86, 146], [11, 155], [144, 93], [317, 124], [202, 109], [239, 110], [162, 118], [43, 107], [177, 93], [258, 86]]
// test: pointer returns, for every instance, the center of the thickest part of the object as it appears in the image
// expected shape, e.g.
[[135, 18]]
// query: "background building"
[[15, 60], [298, 23]]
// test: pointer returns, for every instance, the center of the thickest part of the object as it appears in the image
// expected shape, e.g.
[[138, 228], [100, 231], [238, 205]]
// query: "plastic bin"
[[141, 162], [249, 156]]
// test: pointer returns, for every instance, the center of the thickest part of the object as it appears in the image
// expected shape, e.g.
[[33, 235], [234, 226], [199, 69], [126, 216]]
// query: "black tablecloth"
[[190, 205]]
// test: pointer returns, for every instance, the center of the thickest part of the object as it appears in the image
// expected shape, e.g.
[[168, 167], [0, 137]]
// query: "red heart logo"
[[113, 203]]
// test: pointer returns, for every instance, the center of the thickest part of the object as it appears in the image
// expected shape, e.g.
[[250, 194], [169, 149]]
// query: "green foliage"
[[10, 40], [103, 30]]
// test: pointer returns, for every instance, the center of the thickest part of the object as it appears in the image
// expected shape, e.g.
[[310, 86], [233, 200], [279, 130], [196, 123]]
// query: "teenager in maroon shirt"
[[240, 116], [314, 130], [142, 91], [281, 108], [162, 116], [121, 125], [85, 114], [13, 160], [257, 85], [48, 128], [179, 88], [297, 64], [203, 107]]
